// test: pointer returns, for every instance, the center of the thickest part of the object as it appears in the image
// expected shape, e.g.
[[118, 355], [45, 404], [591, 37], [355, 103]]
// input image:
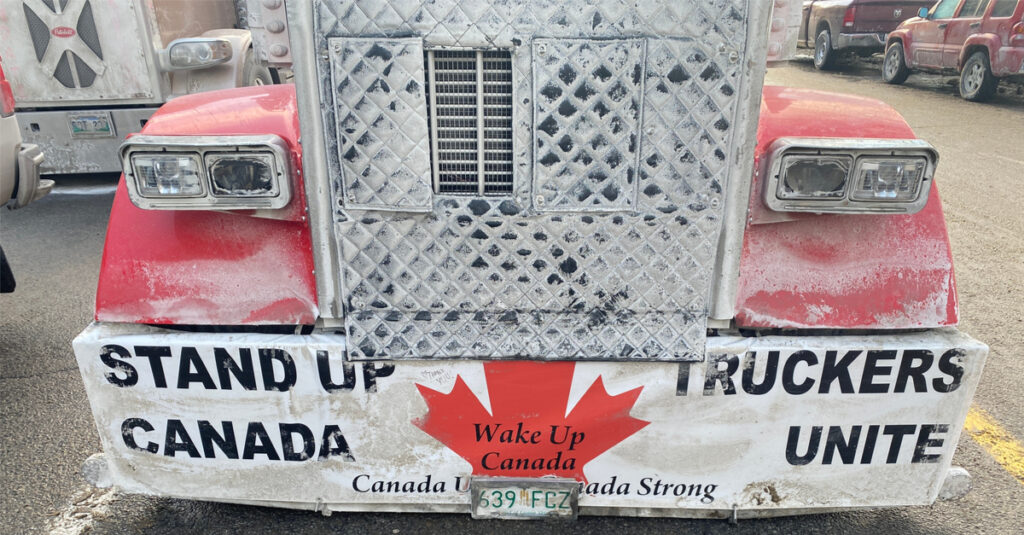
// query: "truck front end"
[[524, 260]]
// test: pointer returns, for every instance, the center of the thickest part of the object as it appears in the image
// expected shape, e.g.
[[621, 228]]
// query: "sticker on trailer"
[[769, 422]]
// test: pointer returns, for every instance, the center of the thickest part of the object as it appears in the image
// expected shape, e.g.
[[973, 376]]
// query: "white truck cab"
[[86, 73]]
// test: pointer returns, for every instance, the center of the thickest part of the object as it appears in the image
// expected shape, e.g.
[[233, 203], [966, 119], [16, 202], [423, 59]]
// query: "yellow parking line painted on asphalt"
[[997, 441]]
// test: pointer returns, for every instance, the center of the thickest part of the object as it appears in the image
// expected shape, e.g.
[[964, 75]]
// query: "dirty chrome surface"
[[624, 138]]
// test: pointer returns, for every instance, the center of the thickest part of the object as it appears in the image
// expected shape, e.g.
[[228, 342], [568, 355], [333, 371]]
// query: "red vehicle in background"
[[835, 27], [983, 40]]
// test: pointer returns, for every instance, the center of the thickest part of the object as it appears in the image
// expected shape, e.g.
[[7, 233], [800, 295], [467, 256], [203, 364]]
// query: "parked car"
[[19, 170], [983, 40], [834, 27]]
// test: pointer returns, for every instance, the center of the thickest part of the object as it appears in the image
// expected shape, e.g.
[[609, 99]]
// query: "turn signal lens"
[[814, 177], [242, 175], [168, 175], [888, 179]]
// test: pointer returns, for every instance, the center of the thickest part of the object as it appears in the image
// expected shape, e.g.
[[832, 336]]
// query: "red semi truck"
[[529, 259]]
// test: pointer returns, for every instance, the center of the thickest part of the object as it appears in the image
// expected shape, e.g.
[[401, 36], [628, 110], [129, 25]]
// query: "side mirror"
[[923, 12]]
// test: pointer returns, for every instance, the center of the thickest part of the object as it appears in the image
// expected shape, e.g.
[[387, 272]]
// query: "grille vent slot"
[[469, 109]]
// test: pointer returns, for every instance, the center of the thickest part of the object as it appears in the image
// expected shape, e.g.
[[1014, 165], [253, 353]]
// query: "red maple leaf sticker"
[[528, 433]]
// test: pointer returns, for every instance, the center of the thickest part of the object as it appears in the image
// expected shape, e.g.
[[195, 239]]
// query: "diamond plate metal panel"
[[581, 287], [480, 23], [587, 97], [381, 118], [501, 277]]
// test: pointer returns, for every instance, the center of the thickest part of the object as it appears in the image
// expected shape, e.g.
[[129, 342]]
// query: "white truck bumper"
[[762, 427]]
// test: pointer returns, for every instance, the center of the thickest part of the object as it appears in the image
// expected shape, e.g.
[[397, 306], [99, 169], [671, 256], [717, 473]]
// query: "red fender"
[[847, 271], [988, 41], [201, 267], [902, 36]]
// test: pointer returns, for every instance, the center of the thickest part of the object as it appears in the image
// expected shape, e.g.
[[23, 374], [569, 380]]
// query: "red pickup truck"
[[834, 27], [983, 40]]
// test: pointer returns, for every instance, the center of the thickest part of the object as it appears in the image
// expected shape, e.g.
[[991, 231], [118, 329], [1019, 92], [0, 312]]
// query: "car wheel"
[[253, 74], [824, 56], [7, 284], [894, 67], [977, 83]]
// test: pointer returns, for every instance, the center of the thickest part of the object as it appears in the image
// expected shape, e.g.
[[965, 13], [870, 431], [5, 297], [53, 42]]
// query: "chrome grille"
[[541, 273], [469, 107]]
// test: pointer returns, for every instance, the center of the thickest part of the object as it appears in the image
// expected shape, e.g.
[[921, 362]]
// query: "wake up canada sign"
[[758, 423]]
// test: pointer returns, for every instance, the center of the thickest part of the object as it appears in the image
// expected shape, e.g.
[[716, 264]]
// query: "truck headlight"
[[888, 179], [207, 172], [849, 175], [242, 175], [168, 175], [198, 52], [814, 177]]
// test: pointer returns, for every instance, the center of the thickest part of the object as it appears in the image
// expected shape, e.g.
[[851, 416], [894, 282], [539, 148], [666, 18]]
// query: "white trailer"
[[85, 74]]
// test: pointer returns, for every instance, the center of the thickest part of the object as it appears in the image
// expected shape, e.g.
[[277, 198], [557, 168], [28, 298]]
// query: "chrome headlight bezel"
[[858, 150], [202, 147]]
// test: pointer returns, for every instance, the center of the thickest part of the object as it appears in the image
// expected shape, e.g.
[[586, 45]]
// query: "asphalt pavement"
[[55, 246]]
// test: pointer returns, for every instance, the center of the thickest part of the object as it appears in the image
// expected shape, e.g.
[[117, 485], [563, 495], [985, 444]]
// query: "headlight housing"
[[849, 175], [197, 53], [207, 172], [168, 175]]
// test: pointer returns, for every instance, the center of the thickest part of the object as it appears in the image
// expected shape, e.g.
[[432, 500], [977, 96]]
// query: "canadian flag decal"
[[528, 433]]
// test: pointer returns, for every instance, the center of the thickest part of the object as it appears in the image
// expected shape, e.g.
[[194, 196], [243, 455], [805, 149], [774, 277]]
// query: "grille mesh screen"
[[469, 106]]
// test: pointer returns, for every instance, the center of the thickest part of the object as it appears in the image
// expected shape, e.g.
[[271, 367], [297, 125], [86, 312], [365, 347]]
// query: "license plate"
[[90, 124], [524, 498]]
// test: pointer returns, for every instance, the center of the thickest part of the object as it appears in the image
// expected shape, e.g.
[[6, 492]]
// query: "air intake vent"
[[469, 106]]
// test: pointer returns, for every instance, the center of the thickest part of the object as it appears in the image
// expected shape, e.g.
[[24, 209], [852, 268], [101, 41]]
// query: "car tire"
[[253, 74], [824, 56], [977, 83], [894, 66], [7, 283]]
